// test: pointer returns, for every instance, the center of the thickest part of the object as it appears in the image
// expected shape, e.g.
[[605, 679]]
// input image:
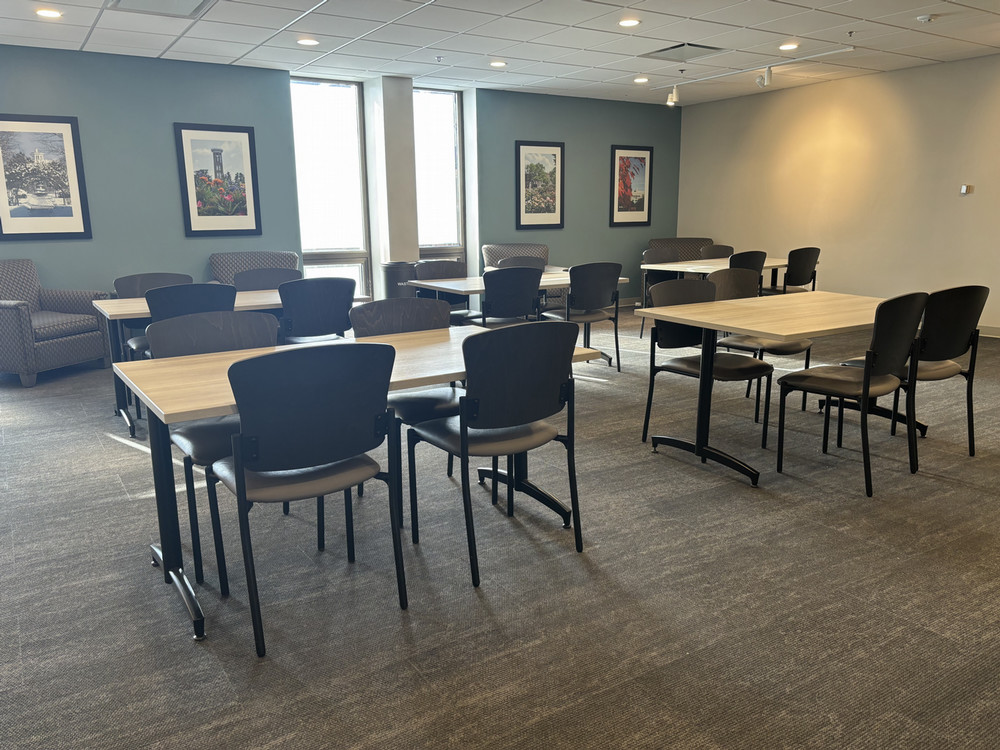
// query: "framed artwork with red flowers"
[[218, 171], [631, 184]]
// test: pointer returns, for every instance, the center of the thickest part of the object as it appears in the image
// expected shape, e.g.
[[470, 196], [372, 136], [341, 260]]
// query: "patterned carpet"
[[702, 613]]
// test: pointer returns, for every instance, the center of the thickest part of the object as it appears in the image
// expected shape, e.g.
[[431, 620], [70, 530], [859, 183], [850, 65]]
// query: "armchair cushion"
[[47, 325]]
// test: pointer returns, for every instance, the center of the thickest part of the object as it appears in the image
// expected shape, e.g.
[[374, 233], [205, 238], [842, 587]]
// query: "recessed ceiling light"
[[640, 79], [308, 42], [789, 46], [46, 13], [629, 22], [498, 64]]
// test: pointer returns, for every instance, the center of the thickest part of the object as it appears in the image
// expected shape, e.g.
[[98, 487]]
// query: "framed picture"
[[218, 170], [539, 180], [41, 173], [631, 185]]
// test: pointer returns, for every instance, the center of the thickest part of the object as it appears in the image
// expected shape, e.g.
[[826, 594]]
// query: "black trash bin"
[[395, 275]]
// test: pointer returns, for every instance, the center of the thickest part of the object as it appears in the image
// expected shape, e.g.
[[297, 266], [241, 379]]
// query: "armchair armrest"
[[17, 353], [77, 301]]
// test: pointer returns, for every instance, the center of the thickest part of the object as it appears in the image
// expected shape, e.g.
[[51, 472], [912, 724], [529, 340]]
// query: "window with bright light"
[[437, 134]]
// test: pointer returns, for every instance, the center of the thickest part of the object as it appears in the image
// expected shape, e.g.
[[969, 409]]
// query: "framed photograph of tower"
[[218, 171], [41, 179], [631, 185]]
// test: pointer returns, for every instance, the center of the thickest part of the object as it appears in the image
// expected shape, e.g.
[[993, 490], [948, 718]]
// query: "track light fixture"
[[763, 81], [672, 97]]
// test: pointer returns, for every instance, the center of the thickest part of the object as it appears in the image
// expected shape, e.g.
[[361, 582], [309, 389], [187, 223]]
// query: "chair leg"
[[649, 405], [865, 456], [320, 523], [349, 523], [840, 423], [284, 508], [911, 426], [510, 485], [767, 410], [573, 495], [220, 551], [968, 409], [451, 465], [411, 455], [496, 472], [895, 410], [806, 367], [199, 572], [254, 600], [783, 391], [470, 531], [826, 423], [618, 355]]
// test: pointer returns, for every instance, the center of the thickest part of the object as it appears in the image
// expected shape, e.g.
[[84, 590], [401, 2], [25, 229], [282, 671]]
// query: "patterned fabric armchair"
[[555, 299], [676, 248], [41, 329], [226, 265]]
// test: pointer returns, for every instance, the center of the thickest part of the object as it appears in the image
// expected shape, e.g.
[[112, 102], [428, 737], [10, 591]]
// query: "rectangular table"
[[708, 265], [783, 317], [178, 389], [471, 285]]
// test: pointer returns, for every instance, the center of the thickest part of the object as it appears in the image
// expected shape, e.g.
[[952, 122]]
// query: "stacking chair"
[[183, 299], [658, 251], [511, 297], [716, 251], [136, 285], [225, 266], [728, 367], [444, 269], [892, 342], [592, 298], [752, 259], [522, 261], [734, 283], [494, 256], [403, 315], [255, 279], [205, 441], [308, 418], [315, 309], [800, 272], [516, 378]]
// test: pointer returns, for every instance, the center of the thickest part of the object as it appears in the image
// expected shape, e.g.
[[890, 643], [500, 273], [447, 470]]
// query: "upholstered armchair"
[[42, 329], [226, 265]]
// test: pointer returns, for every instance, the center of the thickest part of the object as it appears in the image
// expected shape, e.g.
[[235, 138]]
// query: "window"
[[437, 129], [329, 169]]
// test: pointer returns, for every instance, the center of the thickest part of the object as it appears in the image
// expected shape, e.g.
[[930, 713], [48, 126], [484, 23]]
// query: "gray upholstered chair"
[[42, 329], [717, 251], [254, 279], [225, 266]]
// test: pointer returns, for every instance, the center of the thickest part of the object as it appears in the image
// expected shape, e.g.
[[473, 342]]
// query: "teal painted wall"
[[588, 127], [126, 108]]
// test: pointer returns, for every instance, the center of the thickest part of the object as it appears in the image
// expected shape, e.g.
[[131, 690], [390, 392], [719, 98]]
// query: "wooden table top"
[[135, 307], [470, 285], [708, 265], [178, 389], [784, 317]]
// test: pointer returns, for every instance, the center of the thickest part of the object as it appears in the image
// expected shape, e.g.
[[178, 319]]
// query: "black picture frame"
[[211, 160], [41, 179], [539, 179], [631, 207]]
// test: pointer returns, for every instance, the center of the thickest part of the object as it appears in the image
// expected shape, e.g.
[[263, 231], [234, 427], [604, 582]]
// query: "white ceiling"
[[565, 47]]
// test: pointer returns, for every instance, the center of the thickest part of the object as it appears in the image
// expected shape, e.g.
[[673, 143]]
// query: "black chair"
[[728, 367], [424, 270], [592, 298], [255, 279], [516, 377], [315, 309], [800, 272], [522, 261], [892, 342], [134, 286], [734, 283], [184, 299], [511, 297], [308, 419], [716, 251], [752, 259]]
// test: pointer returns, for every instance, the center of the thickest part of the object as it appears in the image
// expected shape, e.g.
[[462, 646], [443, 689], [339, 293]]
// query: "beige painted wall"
[[868, 169]]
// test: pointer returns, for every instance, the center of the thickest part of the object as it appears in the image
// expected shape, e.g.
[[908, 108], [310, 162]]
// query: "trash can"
[[394, 277]]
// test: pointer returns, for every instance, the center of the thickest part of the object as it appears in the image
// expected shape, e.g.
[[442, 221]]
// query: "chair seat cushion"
[[581, 316], [445, 434], [206, 440], [939, 370], [282, 486], [138, 343], [834, 380], [48, 325], [429, 403], [728, 367], [771, 346]]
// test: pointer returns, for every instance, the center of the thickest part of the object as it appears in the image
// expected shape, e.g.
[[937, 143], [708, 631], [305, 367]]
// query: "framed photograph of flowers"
[[41, 179], [218, 171], [631, 185], [539, 182]]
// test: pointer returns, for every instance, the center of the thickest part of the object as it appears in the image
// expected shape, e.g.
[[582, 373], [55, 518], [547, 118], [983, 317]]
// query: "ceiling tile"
[[498, 7], [290, 40], [371, 10], [20, 10], [473, 43], [535, 52], [948, 49], [38, 30], [685, 8], [566, 12], [802, 23], [591, 58], [631, 45], [447, 19], [229, 32], [300, 56], [131, 39], [364, 48], [576, 37], [210, 47], [449, 59], [748, 13], [315, 23], [743, 38], [414, 36], [517, 29], [250, 15], [551, 69], [408, 68], [684, 31]]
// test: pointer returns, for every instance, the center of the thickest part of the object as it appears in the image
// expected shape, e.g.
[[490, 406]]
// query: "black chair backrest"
[[313, 405], [716, 251], [752, 259], [593, 286], [801, 266], [317, 306], [735, 283], [511, 292], [217, 331], [896, 322], [136, 285], [399, 315], [440, 269], [183, 299], [679, 292], [660, 254], [951, 317], [518, 374], [522, 261], [264, 278]]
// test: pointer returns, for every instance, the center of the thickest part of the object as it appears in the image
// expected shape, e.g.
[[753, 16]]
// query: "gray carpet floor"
[[702, 613]]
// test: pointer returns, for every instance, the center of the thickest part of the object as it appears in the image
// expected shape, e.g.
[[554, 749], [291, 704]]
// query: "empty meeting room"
[[640, 550]]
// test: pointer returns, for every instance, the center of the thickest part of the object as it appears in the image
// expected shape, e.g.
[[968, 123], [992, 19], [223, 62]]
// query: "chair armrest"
[[17, 345], [76, 301]]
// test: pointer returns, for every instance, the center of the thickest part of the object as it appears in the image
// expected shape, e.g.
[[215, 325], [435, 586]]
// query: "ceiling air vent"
[[171, 8], [683, 52]]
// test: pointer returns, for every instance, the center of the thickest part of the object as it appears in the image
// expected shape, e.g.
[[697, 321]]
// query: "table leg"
[[121, 398], [700, 446], [168, 552], [522, 484]]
